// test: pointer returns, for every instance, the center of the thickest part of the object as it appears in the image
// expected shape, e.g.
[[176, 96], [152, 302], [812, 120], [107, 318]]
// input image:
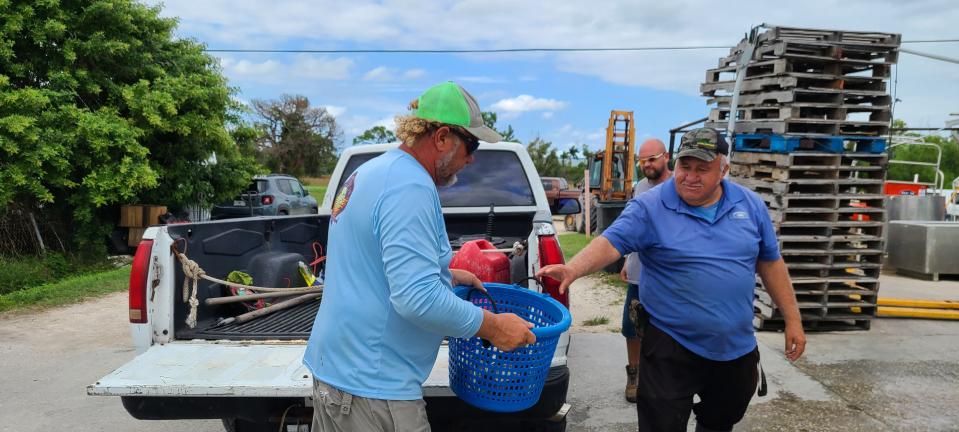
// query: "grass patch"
[[20, 272], [69, 290], [613, 280], [316, 191], [315, 181], [595, 321], [572, 243]]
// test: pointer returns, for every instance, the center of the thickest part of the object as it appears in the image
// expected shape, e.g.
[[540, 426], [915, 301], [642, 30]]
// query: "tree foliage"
[[100, 104], [489, 118], [949, 164], [564, 164], [375, 135], [296, 139]]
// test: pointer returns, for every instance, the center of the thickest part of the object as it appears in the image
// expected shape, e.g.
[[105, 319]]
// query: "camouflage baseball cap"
[[703, 143]]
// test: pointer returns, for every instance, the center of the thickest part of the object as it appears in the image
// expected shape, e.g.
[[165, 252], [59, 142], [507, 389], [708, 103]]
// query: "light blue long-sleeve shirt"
[[388, 300]]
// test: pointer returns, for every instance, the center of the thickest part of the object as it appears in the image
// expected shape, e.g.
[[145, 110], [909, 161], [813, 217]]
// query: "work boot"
[[631, 383]]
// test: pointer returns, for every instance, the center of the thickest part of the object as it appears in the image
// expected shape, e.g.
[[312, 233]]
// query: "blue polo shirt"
[[699, 274]]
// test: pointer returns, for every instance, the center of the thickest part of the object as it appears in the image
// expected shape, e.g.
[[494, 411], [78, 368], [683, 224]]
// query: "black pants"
[[669, 376]]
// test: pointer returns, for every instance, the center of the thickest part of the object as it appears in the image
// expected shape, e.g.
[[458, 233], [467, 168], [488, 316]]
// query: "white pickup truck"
[[250, 374]]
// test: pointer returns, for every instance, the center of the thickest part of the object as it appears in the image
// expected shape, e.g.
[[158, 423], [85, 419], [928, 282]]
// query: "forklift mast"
[[617, 161]]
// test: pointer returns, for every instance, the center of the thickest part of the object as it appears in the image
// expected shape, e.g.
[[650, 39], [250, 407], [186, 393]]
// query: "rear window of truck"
[[495, 177]]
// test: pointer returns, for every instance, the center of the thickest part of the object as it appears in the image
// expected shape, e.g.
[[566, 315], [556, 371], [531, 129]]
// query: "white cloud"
[[323, 68], [303, 66], [928, 89], [513, 107], [248, 68], [414, 74], [569, 136], [334, 110], [547, 115], [381, 73]]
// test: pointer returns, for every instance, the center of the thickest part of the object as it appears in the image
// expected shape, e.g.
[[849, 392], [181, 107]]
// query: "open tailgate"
[[240, 370]]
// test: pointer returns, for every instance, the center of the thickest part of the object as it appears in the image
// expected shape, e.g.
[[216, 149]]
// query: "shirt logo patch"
[[739, 215], [343, 198]]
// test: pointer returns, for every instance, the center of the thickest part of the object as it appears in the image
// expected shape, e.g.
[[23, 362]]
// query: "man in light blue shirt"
[[700, 259], [388, 300]]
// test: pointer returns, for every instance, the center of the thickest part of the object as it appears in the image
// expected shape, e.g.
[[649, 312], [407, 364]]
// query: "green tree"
[[297, 139], [489, 118], [375, 135], [101, 104], [949, 164], [545, 158]]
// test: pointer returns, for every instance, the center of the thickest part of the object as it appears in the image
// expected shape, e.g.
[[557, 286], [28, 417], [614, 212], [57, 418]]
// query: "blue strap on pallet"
[[772, 143]]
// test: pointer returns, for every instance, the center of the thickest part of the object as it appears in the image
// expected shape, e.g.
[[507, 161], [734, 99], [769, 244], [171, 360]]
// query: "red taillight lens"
[[266, 199], [550, 253], [138, 282]]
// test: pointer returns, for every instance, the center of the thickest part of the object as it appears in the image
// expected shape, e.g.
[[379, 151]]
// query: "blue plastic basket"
[[494, 380]]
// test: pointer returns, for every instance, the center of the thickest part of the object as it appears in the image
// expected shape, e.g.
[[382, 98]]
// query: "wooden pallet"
[[813, 324], [766, 172], [793, 95], [842, 37], [793, 187], [814, 68], [779, 113]]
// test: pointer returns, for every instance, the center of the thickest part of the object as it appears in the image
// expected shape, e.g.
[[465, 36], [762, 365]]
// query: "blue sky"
[[562, 97]]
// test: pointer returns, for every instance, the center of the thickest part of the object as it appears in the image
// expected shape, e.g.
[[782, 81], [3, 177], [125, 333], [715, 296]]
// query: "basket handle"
[[469, 298]]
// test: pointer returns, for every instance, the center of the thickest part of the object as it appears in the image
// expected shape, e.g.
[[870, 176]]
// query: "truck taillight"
[[138, 282], [266, 199], [550, 253]]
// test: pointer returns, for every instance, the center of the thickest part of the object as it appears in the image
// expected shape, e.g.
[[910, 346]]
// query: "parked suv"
[[271, 195]]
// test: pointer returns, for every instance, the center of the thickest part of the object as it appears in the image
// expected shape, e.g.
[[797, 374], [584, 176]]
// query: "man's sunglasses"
[[651, 158], [472, 143]]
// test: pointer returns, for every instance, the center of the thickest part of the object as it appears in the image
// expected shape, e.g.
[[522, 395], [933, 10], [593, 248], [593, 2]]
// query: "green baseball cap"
[[702, 143], [448, 103]]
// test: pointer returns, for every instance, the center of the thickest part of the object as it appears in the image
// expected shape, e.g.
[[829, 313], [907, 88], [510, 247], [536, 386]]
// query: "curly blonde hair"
[[410, 128]]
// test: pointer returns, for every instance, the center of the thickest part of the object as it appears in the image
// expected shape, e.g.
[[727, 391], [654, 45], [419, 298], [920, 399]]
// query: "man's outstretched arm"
[[598, 254]]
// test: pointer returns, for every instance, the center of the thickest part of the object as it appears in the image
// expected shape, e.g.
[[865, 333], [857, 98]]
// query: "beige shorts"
[[338, 411]]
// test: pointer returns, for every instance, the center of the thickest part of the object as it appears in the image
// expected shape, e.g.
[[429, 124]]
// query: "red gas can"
[[488, 267]]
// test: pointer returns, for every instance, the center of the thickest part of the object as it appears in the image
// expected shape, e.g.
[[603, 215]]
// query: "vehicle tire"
[[314, 210], [239, 425], [546, 426], [283, 213], [593, 215], [569, 222]]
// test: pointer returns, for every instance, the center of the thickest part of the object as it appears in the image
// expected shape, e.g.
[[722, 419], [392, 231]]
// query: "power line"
[[500, 50]]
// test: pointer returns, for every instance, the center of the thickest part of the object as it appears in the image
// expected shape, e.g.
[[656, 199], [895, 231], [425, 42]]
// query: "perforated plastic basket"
[[488, 378]]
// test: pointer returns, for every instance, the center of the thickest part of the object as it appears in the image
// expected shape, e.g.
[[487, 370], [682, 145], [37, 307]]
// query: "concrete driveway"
[[903, 375]]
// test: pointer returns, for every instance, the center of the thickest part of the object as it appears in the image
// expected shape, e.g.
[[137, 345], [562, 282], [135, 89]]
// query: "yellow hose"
[[923, 304], [907, 312]]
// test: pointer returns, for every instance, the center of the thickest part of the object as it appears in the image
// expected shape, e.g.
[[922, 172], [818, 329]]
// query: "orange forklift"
[[611, 176]]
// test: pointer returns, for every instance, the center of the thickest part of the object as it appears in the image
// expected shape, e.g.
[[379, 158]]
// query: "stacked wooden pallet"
[[136, 218], [807, 82], [828, 212]]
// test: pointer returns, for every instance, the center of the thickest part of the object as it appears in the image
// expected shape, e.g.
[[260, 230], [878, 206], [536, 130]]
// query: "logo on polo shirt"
[[739, 215]]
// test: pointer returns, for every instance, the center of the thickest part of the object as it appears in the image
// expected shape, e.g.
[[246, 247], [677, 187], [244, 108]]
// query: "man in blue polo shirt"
[[700, 259]]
